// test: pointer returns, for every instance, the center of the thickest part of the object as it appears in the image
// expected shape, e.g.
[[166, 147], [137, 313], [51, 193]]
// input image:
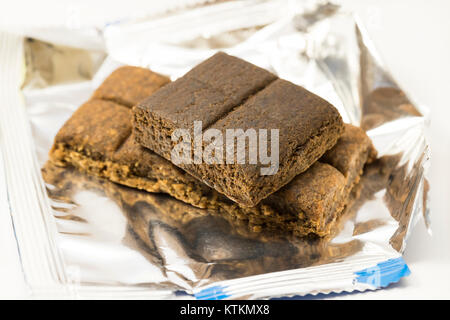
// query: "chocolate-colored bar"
[[97, 139], [318, 196], [129, 85], [224, 93]]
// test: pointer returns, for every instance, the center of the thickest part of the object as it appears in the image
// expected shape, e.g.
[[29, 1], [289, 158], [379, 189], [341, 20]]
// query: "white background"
[[413, 38]]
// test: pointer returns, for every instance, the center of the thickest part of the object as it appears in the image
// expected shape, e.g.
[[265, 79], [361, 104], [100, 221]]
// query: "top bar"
[[243, 131]]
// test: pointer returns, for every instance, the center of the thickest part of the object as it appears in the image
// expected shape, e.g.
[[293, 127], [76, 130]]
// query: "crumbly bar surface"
[[225, 92], [98, 140], [129, 85]]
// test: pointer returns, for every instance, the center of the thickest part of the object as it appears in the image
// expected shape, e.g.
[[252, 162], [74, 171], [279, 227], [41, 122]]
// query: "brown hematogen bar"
[[98, 140], [225, 92]]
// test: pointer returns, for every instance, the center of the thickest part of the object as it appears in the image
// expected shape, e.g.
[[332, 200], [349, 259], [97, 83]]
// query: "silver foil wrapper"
[[112, 240]]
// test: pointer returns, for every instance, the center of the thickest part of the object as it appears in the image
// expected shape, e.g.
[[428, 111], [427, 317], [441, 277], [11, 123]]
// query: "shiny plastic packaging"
[[83, 237]]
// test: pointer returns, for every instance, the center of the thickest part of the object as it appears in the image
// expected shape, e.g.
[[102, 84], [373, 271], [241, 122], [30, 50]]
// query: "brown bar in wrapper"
[[97, 139], [224, 93], [129, 85]]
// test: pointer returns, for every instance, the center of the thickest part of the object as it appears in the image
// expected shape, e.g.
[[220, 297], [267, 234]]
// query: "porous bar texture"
[[309, 205], [98, 140], [129, 85], [225, 92]]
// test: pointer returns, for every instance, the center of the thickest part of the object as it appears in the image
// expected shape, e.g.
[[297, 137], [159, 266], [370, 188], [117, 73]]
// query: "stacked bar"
[[99, 140], [225, 93]]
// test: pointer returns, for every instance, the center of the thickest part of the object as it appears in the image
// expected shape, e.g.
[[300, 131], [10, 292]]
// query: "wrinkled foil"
[[112, 236]]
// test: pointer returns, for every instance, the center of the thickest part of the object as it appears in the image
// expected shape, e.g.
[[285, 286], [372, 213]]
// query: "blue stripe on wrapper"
[[213, 293], [384, 273]]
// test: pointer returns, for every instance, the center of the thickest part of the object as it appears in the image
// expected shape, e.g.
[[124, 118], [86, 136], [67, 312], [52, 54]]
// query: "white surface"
[[413, 38]]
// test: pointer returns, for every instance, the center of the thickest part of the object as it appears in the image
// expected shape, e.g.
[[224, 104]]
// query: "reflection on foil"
[[48, 64], [193, 246], [117, 235], [386, 104]]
